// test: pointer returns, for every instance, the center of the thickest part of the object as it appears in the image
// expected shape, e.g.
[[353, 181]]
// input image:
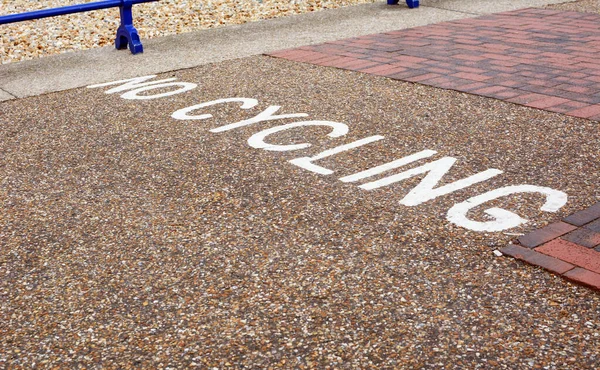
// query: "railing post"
[[126, 33], [411, 3]]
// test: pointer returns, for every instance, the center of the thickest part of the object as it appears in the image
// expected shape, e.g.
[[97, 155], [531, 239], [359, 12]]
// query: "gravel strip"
[[585, 6], [32, 39]]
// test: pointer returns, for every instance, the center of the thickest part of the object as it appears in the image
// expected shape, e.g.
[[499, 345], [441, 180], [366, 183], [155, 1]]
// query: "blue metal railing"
[[127, 35]]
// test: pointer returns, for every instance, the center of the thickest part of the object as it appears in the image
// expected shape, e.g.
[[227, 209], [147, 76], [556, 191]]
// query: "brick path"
[[570, 248], [539, 58], [534, 57]]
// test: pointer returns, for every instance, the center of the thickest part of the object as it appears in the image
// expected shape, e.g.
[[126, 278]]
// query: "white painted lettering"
[[503, 219], [425, 190], [258, 140], [306, 162], [388, 166], [137, 85], [183, 114], [266, 115], [134, 94]]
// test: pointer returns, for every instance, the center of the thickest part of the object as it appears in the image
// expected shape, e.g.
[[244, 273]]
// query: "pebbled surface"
[[131, 239]]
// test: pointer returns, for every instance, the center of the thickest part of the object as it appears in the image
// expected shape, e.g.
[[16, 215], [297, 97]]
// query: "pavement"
[[348, 201]]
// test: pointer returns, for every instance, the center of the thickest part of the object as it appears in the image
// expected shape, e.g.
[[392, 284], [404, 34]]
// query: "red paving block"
[[528, 98], [445, 82], [469, 69], [471, 86], [423, 77], [506, 63], [545, 234], [543, 81], [379, 69], [471, 76], [584, 277], [488, 90], [593, 78], [317, 56], [494, 56], [584, 216], [546, 91], [468, 57], [360, 64], [506, 94], [342, 62], [410, 59], [568, 106], [495, 47], [381, 60], [547, 102], [572, 253], [594, 226], [549, 263], [332, 61], [584, 237], [391, 72], [407, 74], [308, 56], [576, 89], [498, 92], [441, 71], [587, 112], [507, 82]]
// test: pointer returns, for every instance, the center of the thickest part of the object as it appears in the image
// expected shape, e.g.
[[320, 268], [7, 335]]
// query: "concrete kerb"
[[73, 70]]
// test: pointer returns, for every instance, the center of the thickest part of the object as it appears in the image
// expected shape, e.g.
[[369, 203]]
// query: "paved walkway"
[[538, 58], [257, 212], [535, 57]]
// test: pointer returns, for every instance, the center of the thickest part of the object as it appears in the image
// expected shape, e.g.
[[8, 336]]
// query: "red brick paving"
[[574, 242], [550, 232], [540, 58]]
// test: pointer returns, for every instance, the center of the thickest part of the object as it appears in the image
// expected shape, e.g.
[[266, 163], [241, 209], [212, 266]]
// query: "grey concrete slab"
[[73, 70], [5, 96]]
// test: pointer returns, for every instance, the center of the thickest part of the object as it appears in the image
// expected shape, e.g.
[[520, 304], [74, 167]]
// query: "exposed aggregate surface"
[[130, 239]]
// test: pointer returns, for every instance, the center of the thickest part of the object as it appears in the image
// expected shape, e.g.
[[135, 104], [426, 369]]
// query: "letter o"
[[133, 94]]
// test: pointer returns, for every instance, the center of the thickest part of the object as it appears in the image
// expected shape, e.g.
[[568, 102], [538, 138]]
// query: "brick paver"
[[575, 242], [539, 58]]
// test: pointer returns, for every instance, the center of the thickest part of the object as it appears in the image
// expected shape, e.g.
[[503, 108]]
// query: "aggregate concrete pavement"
[[138, 232], [135, 236]]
